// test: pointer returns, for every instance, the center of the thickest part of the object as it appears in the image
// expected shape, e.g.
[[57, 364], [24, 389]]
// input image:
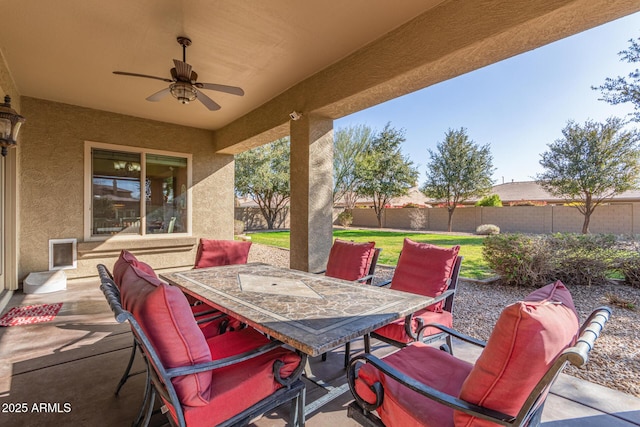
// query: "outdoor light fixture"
[[183, 92], [10, 122]]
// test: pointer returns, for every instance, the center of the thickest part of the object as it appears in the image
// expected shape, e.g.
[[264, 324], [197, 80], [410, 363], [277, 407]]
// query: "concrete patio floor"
[[64, 373]]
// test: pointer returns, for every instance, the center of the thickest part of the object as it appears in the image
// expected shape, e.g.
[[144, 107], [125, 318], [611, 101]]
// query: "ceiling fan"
[[184, 85]]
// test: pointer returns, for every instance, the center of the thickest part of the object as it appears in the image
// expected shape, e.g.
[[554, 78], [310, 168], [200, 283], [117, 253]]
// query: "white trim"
[[88, 174]]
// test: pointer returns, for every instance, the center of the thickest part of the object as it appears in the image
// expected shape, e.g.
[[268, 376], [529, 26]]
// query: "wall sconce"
[[295, 115], [10, 122]]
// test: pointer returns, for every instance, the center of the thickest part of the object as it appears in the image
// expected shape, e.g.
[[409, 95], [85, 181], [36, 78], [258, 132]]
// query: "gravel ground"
[[615, 360]]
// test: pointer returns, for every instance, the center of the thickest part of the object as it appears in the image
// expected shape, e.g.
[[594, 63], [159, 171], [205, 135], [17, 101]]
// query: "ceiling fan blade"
[[124, 73], [233, 90], [208, 102], [183, 70], [158, 95]]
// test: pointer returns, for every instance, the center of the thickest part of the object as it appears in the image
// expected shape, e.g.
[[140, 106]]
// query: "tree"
[[383, 172], [263, 175], [458, 170], [493, 200], [348, 145], [620, 90], [591, 164]]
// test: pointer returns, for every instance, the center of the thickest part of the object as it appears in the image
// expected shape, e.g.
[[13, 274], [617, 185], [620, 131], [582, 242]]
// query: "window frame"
[[88, 190]]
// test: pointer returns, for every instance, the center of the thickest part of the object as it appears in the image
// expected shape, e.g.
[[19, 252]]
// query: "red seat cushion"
[[237, 387], [396, 331], [404, 407], [125, 259], [526, 340], [424, 269], [166, 319], [213, 253], [349, 260]]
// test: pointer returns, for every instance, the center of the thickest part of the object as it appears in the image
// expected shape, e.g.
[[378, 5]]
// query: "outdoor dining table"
[[310, 312]]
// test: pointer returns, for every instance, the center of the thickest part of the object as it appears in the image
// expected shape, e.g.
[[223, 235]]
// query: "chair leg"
[[324, 357], [152, 401], [145, 399], [297, 409], [125, 376]]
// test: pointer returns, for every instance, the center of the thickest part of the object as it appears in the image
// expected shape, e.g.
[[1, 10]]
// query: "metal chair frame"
[[368, 280], [446, 296], [531, 411], [159, 377]]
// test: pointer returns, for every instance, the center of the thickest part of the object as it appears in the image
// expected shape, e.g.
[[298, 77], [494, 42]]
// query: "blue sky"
[[518, 105]]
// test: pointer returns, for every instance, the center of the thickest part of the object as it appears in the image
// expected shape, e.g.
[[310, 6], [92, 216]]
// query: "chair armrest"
[[221, 363], [202, 319], [364, 279], [451, 332], [408, 320], [417, 386], [382, 284]]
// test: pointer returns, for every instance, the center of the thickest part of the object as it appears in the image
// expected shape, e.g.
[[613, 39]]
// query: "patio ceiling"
[[66, 50], [330, 57]]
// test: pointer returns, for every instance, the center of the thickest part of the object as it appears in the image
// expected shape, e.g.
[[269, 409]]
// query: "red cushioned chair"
[[202, 381], [211, 321], [354, 262], [531, 343], [426, 270], [215, 253]]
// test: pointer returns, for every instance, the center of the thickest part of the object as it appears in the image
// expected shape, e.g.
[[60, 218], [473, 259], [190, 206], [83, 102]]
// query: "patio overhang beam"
[[449, 40]]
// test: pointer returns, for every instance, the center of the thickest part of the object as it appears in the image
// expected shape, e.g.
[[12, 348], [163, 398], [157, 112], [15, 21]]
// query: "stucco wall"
[[51, 185], [616, 219]]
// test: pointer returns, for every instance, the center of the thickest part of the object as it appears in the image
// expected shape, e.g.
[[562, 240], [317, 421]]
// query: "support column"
[[311, 192]]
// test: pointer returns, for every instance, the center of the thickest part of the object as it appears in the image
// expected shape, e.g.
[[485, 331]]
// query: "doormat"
[[30, 314]]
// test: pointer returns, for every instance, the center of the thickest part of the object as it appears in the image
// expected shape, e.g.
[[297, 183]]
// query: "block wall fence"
[[614, 219]]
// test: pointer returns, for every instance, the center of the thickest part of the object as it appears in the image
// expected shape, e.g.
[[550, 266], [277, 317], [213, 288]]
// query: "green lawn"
[[473, 265]]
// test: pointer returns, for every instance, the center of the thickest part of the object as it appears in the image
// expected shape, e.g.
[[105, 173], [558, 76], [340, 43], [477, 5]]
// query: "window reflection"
[[116, 192], [165, 194]]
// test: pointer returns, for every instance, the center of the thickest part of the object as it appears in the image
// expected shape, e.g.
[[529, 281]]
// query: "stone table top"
[[310, 312]]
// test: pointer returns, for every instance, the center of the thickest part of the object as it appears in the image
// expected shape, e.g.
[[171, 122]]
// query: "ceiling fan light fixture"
[[183, 92]]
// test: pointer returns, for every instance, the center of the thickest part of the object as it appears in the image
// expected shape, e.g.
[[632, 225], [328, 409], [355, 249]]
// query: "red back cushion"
[[349, 260], [526, 340], [213, 253], [424, 269], [166, 319], [125, 259]]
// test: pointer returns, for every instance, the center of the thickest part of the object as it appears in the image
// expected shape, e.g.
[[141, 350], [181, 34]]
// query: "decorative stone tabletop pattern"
[[317, 314]]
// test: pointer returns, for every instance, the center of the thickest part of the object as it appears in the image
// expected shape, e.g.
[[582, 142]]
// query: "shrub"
[[519, 259], [411, 205], [630, 269], [491, 200], [345, 218], [238, 227], [487, 229], [575, 259], [528, 203]]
